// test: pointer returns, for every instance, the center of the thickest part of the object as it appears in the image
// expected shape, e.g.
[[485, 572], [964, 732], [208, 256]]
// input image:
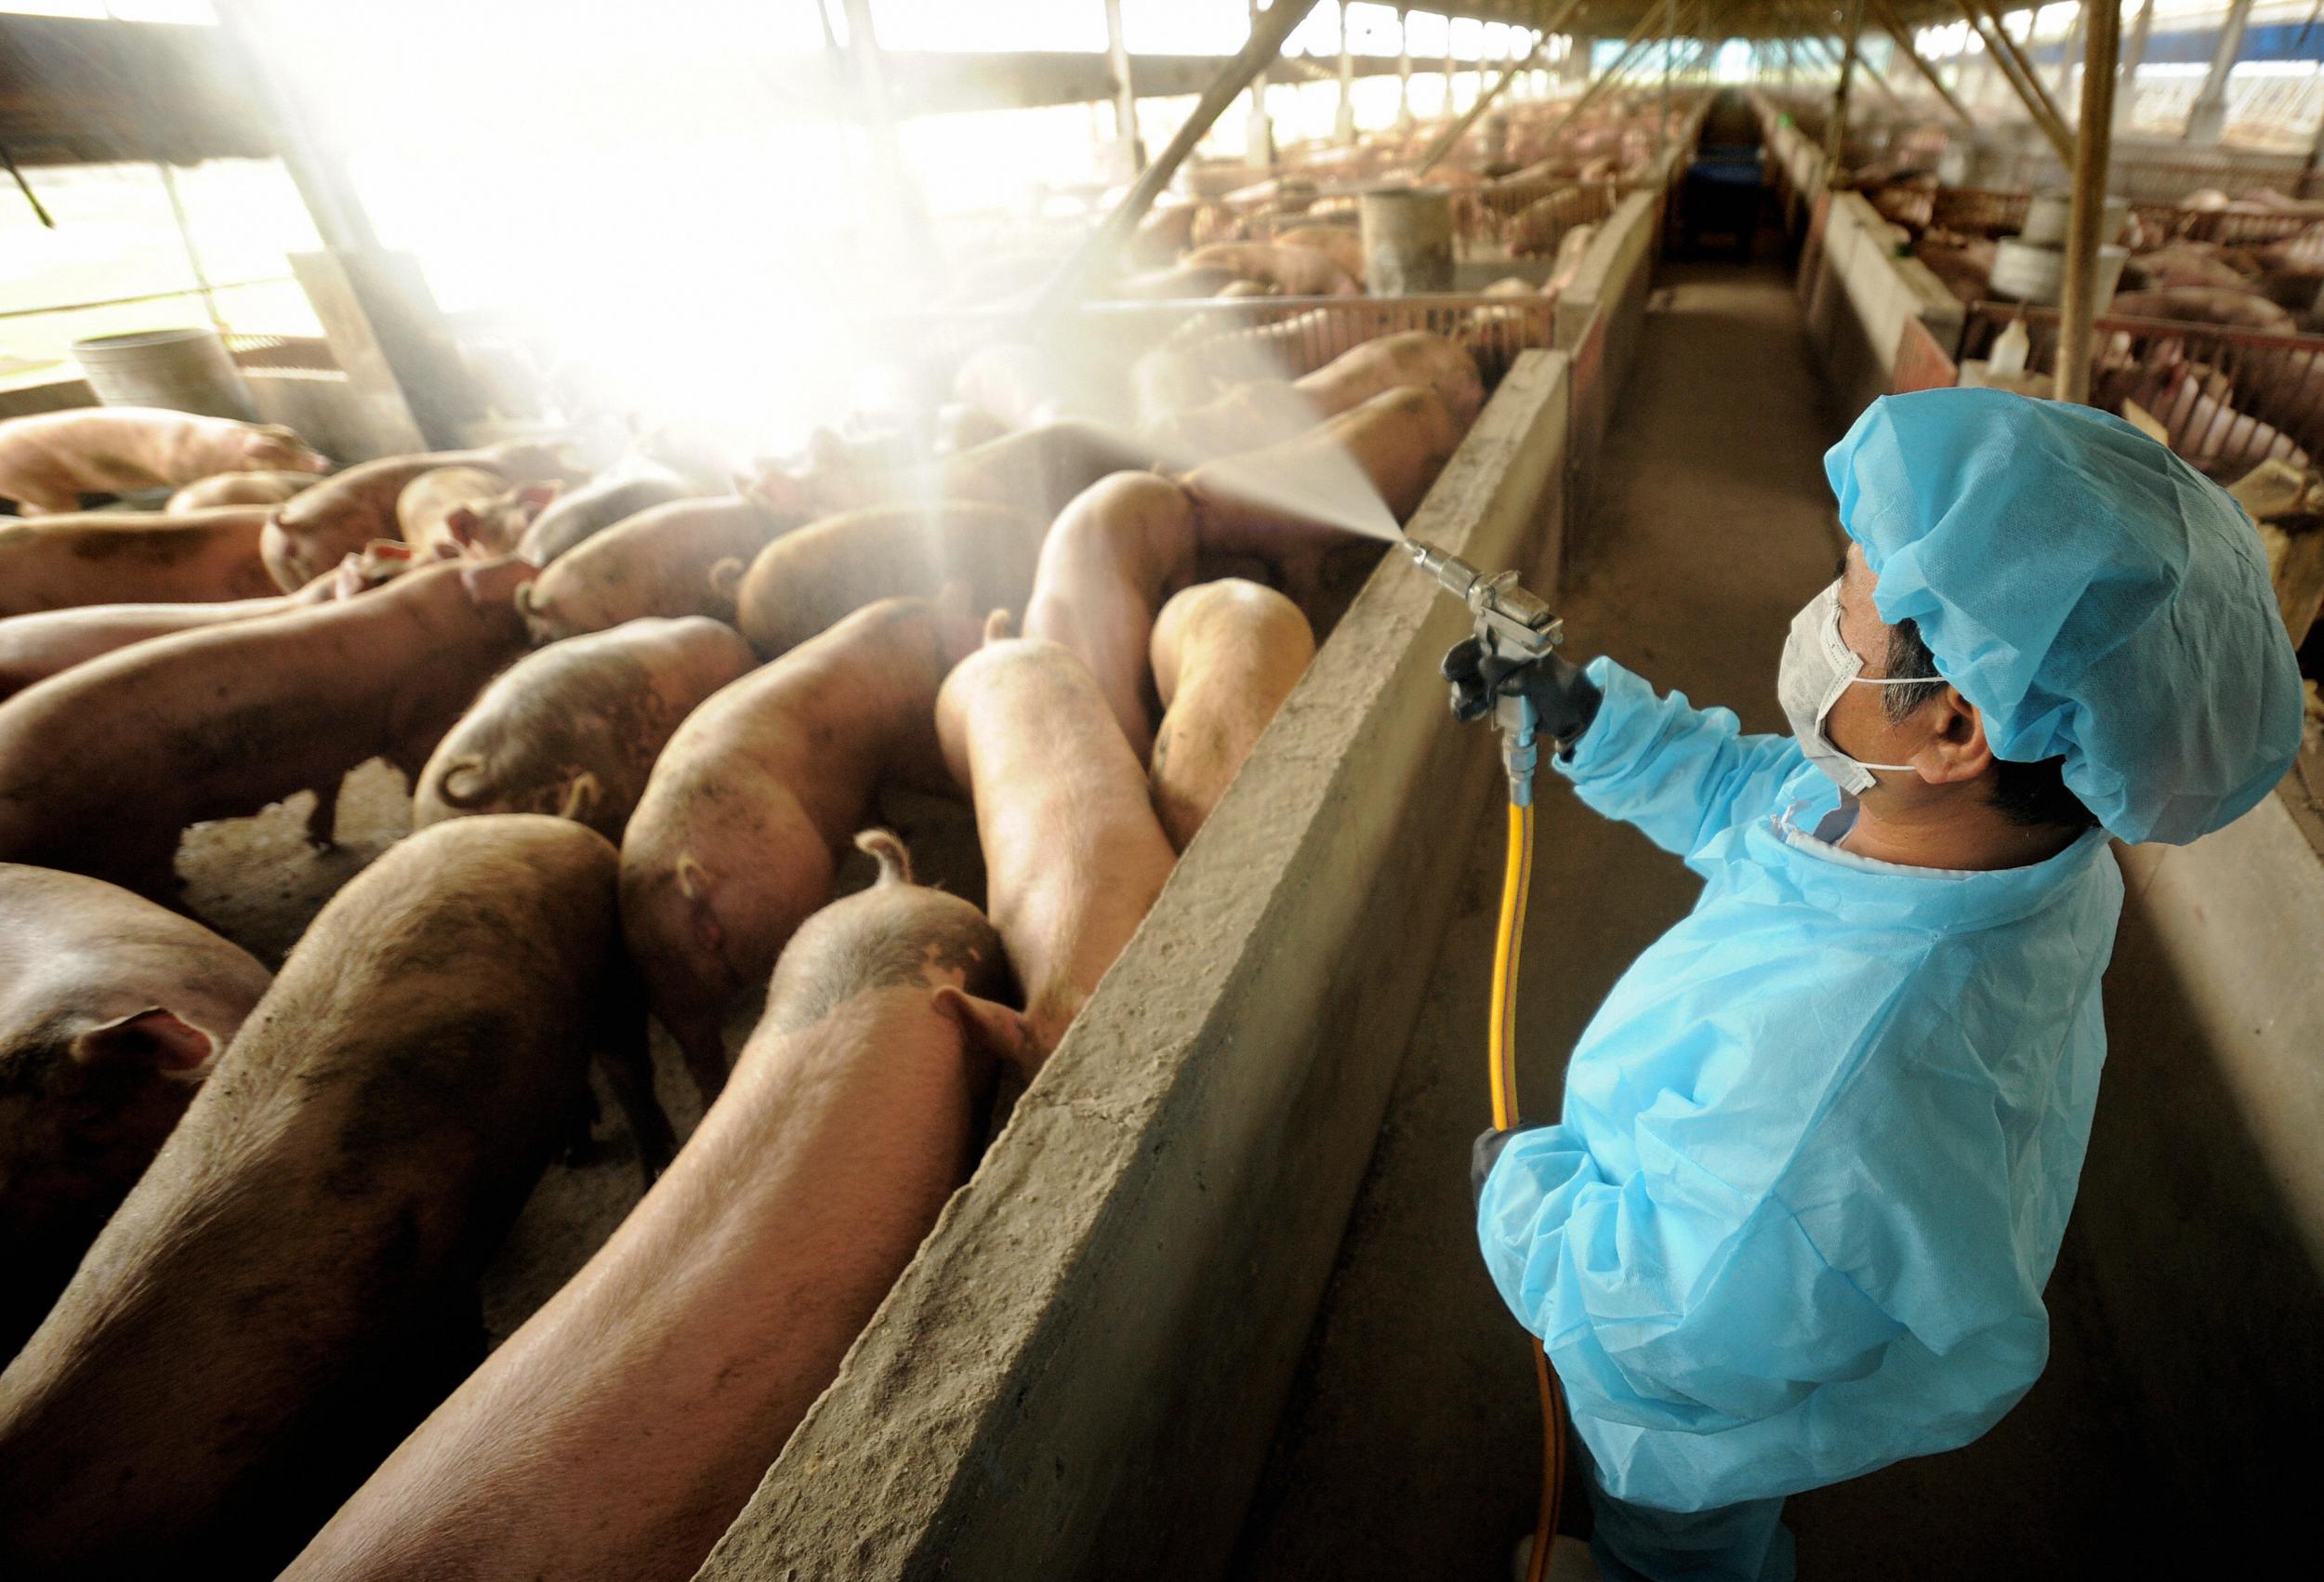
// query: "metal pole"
[[2209, 116], [2126, 95], [2002, 50], [1103, 246], [1836, 131], [907, 212], [2066, 50], [1632, 48], [2025, 70], [1259, 137], [1447, 107], [1404, 68], [1662, 104], [1906, 47], [1343, 124], [2094, 151], [1452, 134], [1125, 95]]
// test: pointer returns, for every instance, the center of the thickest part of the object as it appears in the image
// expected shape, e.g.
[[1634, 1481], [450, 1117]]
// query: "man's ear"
[[153, 1040], [1956, 750]]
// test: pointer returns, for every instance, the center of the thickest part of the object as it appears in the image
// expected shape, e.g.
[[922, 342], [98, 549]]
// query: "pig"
[[1226, 655], [49, 460], [573, 730], [1243, 417], [1294, 270], [2202, 305], [34, 647], [247, 1334], [1074, 855], [614, 497], [2193, 404], [737, 836], [237, 489], [1963, 264], [1125, 545], [1416, 358], [658, 563], [1294, 505], [1344, 244], [62, 563], [1535, 231], [721, 1307], [310, 533], [1012, 382], [102, 767], [1571, 251], [801, 584], [2199, 265], [1034, 470], [112, 1012], [467, 511]]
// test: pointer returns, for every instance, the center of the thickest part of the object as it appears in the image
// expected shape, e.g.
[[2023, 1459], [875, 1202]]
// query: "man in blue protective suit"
[[1819, 1143]]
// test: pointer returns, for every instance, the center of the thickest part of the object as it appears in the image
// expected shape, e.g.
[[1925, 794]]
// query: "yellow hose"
[[1508, 944]]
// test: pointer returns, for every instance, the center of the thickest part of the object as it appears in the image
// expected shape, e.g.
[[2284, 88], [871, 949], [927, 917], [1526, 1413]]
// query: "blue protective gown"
[[1818, 1145]]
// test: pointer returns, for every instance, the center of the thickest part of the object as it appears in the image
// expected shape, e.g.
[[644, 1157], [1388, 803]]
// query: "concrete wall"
[[1600, 318], [2202, 1203], [1080, 1373], [1858, 296]]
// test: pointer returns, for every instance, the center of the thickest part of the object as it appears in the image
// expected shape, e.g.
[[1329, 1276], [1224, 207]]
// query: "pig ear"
[[461, 521], [993, 1029], [726, 577], [996, 625], [152, 1039], [580, 798], [534, 498]]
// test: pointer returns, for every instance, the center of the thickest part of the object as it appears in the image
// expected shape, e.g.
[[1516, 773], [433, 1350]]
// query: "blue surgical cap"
[[2094, 597]]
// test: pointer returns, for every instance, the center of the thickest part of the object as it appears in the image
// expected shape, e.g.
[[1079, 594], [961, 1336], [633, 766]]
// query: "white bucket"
[[2050, 215], [2022, 273]]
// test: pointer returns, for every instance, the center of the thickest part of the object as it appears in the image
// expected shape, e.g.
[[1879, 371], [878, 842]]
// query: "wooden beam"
[[2003, 52], [1632, 48], [1835, 129], [1103, 246], [1452, 134], [2034, 92], [1905, 46], [2093, 153]]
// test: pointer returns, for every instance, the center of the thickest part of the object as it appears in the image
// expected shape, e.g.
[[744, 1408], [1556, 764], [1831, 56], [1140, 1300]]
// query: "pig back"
[[123, 558], [237, 1349], [807, 581]]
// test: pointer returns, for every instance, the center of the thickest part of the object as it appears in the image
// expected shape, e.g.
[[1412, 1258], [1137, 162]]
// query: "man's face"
[[1858, 723]]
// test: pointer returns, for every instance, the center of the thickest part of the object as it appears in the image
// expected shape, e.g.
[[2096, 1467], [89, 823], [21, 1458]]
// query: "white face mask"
[[1818, 665]]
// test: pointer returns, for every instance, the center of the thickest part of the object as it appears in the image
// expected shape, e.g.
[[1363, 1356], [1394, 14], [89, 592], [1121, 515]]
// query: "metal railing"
[[1280, 338], [2228, 399]]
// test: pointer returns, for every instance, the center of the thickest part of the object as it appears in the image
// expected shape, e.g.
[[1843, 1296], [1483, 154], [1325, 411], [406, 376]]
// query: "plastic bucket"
[[183, 370], [2052, 213], [2037, 274], [1408, 240]]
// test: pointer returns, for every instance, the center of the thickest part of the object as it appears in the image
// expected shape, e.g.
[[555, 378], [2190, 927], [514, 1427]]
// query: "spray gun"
[[1512, 665], [1515, 630]]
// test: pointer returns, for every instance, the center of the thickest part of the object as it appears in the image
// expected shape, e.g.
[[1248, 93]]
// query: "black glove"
[[1565, 700], [1487, 1151]]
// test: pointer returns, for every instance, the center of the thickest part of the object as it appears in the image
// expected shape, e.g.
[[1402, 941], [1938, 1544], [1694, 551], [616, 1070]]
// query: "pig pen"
[[1079, 1373]]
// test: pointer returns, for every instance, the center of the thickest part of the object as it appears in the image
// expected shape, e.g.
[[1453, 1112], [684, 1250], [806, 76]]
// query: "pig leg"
[[322, 822], [1105, 567], [1225, 656]]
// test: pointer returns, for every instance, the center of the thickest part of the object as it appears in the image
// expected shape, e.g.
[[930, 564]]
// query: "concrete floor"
[[1410, 1447]]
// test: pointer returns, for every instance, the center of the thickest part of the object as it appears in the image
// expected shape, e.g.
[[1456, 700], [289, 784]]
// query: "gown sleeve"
[[1682, 774]]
